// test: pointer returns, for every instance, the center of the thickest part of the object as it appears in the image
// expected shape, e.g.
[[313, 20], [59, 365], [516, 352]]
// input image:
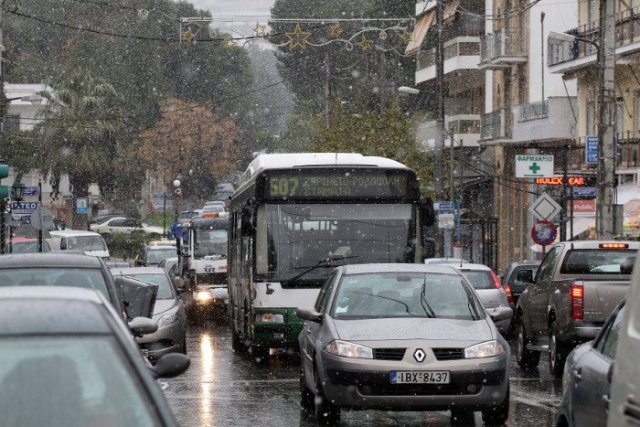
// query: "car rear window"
[[479, 279], [594, 261]]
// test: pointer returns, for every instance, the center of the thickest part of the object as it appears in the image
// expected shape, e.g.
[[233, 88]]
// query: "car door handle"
[[577, 373], [632, 409], [606, 399]]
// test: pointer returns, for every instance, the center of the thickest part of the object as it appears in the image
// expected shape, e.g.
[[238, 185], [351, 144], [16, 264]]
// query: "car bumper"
[[167, 339], [358, 384]]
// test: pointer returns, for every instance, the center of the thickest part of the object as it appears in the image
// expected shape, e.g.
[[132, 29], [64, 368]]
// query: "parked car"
[[130, 298], [81, 241], [216, 209], [402, 337], [151, 255], [99, 219], [624, 406], [518, 276], [123, 225], [445, 261], [168, 312], [67, 360], [491, 293], [576, 289], [586, 380]]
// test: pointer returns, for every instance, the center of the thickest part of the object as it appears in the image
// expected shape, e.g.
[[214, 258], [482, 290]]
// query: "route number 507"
[[283, 186]]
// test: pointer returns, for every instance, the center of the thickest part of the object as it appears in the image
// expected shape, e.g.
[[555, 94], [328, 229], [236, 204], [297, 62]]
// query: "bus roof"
[[301, 160]]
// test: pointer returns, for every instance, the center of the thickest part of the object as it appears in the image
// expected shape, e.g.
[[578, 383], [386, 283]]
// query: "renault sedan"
[[402, 337]]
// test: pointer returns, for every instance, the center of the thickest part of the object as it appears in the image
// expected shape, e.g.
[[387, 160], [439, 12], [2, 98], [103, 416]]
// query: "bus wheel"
[[260, 353], [236, 343]]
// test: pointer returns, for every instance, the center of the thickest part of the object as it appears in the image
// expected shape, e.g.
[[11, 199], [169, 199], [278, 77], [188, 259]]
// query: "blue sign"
[[591, 150], [583, 192], [30, 191], [445, 206], [82, 205], [23, 207]]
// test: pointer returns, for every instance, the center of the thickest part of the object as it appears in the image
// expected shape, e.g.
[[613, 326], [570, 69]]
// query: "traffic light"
[[5, 190]]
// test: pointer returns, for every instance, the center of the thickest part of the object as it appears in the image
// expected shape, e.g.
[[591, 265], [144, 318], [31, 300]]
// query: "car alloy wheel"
[[526, 359], [307, 401], [326, 412], [497, 414], [557, 353]]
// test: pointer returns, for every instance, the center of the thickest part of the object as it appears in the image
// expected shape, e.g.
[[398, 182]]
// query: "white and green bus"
[[296, 216]]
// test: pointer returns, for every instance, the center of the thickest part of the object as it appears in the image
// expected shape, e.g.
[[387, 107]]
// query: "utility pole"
[[606, 93], [438, 170], [327, 89]]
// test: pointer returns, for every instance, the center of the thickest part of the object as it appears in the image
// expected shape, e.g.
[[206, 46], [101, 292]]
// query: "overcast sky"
[[243, 13]]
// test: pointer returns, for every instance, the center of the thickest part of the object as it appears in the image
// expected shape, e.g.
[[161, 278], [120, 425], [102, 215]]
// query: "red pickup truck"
[[576, 288]]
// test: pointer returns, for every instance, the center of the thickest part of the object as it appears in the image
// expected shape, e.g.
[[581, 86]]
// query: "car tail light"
[[577, 302], [507, 289], [496, 281]]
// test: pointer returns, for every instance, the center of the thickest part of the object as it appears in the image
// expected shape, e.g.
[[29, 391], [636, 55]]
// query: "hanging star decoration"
[[298, 38], [229, 42], [365, 43], [260, 30], [406, 36], [188, 36], [336, 30]]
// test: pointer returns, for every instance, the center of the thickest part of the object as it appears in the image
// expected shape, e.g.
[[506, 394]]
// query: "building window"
[[11, 123], [620, 117], [592, 11], [591, 122]]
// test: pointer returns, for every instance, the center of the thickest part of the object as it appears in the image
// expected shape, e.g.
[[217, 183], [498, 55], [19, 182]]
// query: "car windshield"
[[594, 261], [69, 381], [165, 288], [55, 276], [375, 295], [479, 279], [298, 236], [154, 256], [86, 243]]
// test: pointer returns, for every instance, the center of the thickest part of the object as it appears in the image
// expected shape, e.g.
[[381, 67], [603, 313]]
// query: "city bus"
[[296, 216]]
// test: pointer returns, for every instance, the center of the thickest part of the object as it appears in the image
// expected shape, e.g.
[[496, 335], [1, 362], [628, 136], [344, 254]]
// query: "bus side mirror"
[[247, 223]]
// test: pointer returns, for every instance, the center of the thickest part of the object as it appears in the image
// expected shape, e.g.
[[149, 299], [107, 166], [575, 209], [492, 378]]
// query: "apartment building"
[[464, 91], [529, 109]]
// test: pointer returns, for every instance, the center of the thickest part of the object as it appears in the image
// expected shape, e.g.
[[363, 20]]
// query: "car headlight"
[[485, 349], [167, 319], [349, 349], [269, 318], [203, 295]]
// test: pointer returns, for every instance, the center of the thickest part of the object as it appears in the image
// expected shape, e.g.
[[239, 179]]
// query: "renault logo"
[[419, 355]]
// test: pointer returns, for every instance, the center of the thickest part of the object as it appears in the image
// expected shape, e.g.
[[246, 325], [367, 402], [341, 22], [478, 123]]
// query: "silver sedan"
[[402, 337]]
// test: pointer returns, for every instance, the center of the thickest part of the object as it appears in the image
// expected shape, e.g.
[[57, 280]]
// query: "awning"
[[422, 26], [580, 225], [450, 9]]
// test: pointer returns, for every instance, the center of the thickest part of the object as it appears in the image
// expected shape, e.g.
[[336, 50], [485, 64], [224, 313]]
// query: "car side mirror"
[[525, 276], [310, 315], [63, 244], [626, 266], [138, 263], [178, 282], [500, 313], [170, 365], [610, 373], [142, 326]]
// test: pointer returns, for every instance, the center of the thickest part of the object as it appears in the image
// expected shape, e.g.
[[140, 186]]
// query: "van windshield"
[[86, 243]]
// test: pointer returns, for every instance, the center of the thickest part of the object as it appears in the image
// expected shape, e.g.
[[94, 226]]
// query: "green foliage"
[[126, 246]]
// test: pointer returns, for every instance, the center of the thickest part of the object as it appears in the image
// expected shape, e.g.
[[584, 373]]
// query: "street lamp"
[[408, 90], [17, 190]]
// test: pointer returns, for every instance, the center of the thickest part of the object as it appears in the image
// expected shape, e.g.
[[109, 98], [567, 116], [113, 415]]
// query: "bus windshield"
[[210, 241], [299, 236]]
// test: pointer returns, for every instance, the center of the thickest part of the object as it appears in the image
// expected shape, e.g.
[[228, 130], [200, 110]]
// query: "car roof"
[[595, 244], [468, 266], [395, 268], [72, 233], [524, 263], [49, 259], [137, 270], [159, 247], [52, 310]]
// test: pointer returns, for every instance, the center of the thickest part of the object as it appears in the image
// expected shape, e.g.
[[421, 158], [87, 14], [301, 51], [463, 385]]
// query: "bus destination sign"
[[354, 184]]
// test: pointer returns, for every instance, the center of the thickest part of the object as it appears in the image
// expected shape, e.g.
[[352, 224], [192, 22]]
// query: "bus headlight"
[[269, 318], [203, 295]]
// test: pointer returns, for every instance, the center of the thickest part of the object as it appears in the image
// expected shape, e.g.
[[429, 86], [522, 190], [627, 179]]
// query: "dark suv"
[[518, 276]]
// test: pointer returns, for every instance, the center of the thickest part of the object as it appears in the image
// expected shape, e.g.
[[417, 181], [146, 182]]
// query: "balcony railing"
[[455, 48], [534, 111], [627, 154], [564, 50], [496, 125], [501, 49]]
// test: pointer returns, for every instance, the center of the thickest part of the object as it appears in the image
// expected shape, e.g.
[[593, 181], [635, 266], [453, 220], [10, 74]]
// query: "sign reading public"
[[357, 183], [534, 166], [544, 232]]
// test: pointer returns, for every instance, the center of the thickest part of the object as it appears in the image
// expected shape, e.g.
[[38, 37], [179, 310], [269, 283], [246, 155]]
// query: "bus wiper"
[[423, 300], [323, 263]]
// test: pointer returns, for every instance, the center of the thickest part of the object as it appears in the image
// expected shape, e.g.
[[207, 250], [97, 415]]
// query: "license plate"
[[419, 377]]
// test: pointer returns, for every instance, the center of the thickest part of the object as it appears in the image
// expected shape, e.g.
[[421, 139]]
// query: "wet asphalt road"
[[222, 388]]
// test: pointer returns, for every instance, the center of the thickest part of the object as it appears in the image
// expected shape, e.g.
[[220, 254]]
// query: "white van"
[[87, 242], [624, 406]]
